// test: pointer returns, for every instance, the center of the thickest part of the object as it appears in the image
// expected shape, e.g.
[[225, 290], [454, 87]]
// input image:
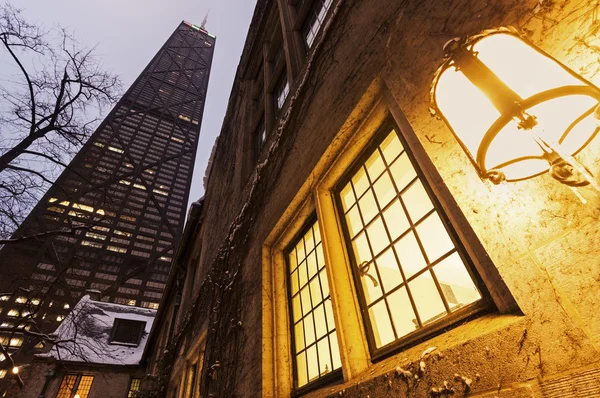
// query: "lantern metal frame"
[[459, 54]]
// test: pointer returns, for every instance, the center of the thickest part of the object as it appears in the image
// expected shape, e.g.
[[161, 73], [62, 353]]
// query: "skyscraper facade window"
[[123, 198]]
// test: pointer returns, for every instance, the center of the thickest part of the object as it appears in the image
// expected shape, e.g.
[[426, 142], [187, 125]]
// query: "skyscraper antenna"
[[203, 26]]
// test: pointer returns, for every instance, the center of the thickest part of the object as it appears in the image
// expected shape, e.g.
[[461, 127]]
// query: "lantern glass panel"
[[564, 119]]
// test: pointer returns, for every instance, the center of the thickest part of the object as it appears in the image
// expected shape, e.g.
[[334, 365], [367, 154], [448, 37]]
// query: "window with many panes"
[[134, 387], [314, 343], [75, 385], [411, 273], [314, 20], [282, 89]]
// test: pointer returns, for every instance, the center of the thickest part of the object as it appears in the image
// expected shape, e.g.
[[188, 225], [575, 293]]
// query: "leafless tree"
[[52, 93]]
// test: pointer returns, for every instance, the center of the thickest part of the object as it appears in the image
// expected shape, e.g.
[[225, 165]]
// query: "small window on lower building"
[[134, 386], [75, 385], [314, 339], [127, 331], [412, 275]]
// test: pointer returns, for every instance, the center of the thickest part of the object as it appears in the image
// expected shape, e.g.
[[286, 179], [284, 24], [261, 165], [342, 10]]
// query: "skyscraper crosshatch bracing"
[[124, 195]]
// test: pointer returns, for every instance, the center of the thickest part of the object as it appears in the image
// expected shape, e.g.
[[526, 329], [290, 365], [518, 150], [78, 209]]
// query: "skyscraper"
[[123, 197]]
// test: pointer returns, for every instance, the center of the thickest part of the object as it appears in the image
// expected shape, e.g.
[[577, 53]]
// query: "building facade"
[[122, 200], [346, 246]]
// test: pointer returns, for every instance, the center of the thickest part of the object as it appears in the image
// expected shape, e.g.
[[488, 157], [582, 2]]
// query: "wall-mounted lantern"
[[516, 111]]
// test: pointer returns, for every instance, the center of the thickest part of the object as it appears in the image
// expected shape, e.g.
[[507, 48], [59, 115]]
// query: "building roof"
[[84, 335]]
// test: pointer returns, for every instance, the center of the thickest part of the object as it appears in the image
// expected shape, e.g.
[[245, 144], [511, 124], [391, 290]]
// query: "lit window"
[[282, 90], [117, 150], [116, 249], [314, 20], [79, 206], [2, 374], [411, 273], [148, 304], [74, 385], [315, 346], [66, 306], [91, 244], [21, 300], [134, 386], [60, 318], [158, 191], [4, 298], [100, 228], [99, 144], [13, 312], [12, 342], [139, 186], [95, 236], [124, 182]]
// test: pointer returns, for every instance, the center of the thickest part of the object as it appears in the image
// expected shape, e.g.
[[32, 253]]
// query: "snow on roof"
[[83, 336]]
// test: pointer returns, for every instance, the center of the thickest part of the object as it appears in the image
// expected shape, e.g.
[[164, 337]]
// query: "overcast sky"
[[128, 33]]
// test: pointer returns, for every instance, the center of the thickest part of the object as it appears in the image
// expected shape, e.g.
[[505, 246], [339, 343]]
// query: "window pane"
[[402, 172], [434, 237], [67, 386], [313, 363], [370, 283], [384, 190], [312, 264], [391, 147], [375, 165], [312, 316], [361, 249], [427, 298], [85, 385], [417, 201], [403, 315], [396, 220], [360, 182], [354, 221], [410, 270], [302, 370], [347, 196], [324, 356], [456, 283], [389, 270], [382, 327], [368, 207], [410, 255], [299, 336]]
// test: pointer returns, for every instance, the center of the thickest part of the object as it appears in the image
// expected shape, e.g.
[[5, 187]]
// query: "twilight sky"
[[127, 34]]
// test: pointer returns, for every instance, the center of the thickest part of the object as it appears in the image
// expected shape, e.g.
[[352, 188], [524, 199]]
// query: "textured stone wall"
[[539, 235]]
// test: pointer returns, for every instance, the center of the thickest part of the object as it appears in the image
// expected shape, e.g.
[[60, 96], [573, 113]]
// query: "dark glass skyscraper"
[[124, 196]]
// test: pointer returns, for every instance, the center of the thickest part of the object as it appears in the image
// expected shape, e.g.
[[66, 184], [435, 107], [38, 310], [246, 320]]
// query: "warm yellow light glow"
[[395, 239], [15, 370], [561, 102]]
